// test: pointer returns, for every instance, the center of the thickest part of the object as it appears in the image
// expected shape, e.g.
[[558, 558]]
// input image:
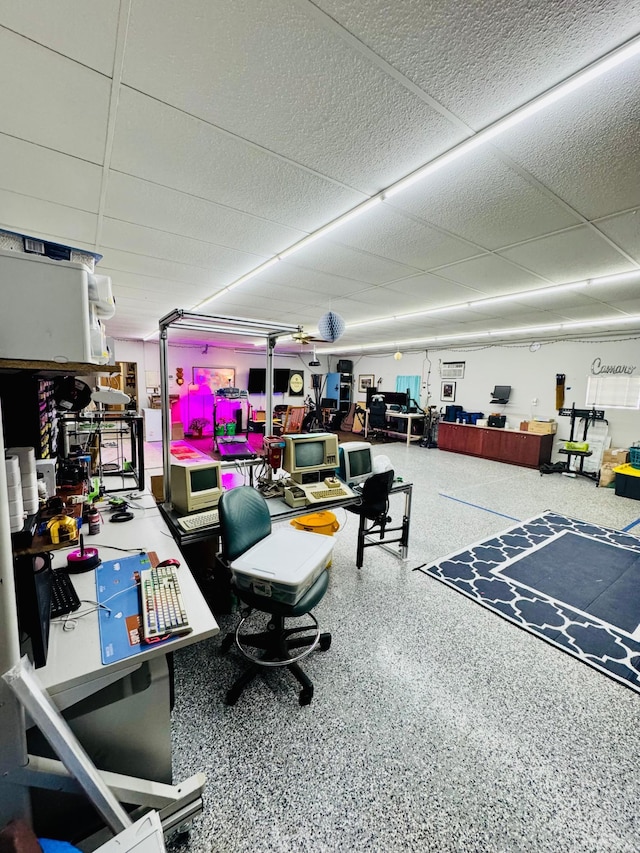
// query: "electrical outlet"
[[534, 402]]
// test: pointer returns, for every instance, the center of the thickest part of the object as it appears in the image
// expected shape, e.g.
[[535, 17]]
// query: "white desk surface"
[[74, 667]]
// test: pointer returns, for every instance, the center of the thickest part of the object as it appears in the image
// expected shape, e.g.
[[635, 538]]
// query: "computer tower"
[[33, 598]]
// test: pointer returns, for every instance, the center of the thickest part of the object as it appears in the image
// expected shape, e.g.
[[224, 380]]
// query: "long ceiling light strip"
[[499, 333], [581, 78], [531, 108], [553, 290]]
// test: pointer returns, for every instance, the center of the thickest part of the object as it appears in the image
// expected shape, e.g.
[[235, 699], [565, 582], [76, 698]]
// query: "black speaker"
[[345, 366]]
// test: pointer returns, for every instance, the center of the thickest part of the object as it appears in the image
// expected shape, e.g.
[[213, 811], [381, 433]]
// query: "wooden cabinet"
[[502, 445]]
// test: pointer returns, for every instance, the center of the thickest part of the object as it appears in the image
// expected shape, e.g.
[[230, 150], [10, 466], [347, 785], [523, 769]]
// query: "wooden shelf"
[[48, 368]]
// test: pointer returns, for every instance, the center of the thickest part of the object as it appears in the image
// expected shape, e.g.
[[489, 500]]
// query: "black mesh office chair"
[[246, 531], [374, 508], [377, 417]]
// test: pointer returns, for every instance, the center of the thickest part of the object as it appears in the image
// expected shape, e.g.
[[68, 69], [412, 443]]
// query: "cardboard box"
[[157, 487], [524, 426], [543, 427], [177, 432], [615, 456]]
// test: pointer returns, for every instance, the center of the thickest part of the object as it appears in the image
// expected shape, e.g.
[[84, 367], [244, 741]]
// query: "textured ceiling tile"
[[624, 230], [47, 220], [390, 234], [569, 256], [324, 284], [173, 247], [143, 203], [329, 257], [491, 275], [41, 173], [272, 73], [432, 291], [451, 49], [586, 147], [145, 267], [485, 201], [217, 166], [84, 30], [130, 282], [63, 88]]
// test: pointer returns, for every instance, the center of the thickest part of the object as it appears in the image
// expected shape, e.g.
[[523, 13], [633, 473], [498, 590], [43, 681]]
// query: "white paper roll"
[[26, 457]]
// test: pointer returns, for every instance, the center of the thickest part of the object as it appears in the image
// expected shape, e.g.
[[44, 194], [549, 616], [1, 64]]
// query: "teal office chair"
[[246, 533]]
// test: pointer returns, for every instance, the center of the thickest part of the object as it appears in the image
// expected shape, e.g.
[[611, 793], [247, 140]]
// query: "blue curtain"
[[410, 382]]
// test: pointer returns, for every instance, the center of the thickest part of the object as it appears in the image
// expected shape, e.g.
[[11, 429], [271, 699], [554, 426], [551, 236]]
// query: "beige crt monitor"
[[196, 486]]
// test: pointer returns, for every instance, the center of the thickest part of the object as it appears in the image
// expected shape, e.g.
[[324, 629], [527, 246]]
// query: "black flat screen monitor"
[[257, 383], [328, 403], [280, 380], [391, 398], [501, 393]]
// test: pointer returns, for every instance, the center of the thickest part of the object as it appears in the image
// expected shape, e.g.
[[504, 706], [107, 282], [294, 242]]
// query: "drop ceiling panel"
[[485, 201], [143, 203], [126, 283], [451, 50], [145, 266], [627, 306], [47, 220], [281, 292], [34, 171], [50, 100], [492, 275], [569, 256], [225, 264], [324, 284], [351, 263], [327, 107], [624, 230], [388, 233], [69, 27], [216, 165], [430, 291], [586, 147]]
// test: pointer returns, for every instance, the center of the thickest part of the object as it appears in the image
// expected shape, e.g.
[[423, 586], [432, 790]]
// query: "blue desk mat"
[[117, 589]]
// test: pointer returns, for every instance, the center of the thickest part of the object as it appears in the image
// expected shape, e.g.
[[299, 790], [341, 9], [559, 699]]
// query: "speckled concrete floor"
[[435, 725]]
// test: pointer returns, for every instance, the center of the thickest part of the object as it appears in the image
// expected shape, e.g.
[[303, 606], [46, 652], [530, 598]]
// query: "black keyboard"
[[64, 598]]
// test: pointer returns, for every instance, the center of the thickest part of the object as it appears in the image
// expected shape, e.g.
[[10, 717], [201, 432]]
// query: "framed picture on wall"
[[365, 380], [214, 377], [448, 392]]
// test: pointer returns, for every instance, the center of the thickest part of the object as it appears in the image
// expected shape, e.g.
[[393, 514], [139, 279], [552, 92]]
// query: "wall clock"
[[296, 383]]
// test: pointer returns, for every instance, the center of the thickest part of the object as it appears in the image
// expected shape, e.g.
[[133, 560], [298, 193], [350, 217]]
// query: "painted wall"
[[531, 374], [199, 404]]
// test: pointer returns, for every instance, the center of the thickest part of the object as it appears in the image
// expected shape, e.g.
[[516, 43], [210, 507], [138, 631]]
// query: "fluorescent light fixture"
[[331, 226], [572, 84]]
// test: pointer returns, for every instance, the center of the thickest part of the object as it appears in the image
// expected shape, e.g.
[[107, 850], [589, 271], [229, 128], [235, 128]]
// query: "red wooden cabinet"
[[502, 445]]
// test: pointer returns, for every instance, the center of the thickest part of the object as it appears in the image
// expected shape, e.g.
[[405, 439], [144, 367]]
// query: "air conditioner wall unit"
[[452, 370]]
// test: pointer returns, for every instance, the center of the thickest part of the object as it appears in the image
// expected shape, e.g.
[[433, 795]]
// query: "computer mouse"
[[170, 562]]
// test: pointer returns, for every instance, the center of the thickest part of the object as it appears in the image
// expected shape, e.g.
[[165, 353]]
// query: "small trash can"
[[318, 522]]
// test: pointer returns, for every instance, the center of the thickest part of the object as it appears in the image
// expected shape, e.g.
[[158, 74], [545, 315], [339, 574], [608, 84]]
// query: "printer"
[[53, 310]]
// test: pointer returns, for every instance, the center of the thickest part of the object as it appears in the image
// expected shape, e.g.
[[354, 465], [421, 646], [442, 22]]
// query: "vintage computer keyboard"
[[320, 492], [162, 610], [198, 520]]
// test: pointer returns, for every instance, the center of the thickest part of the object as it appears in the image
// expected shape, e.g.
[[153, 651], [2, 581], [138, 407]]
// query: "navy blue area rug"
[[574, 584]]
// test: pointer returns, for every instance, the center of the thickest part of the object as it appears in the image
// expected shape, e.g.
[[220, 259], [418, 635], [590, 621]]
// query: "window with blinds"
[[614, 392]]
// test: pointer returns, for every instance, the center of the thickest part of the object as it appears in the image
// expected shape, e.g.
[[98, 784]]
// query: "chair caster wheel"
[[325, 642], [306, 696], [226, 644], [232, 697]]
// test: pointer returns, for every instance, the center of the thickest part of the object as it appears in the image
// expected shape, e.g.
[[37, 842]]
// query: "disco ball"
[[331, 326]]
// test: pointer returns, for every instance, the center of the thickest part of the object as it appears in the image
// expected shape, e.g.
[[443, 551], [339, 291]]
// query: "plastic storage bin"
[[272, 567], [627, 483]]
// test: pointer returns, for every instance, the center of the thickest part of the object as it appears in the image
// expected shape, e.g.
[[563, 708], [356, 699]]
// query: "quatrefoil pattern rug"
[[574, 584]]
